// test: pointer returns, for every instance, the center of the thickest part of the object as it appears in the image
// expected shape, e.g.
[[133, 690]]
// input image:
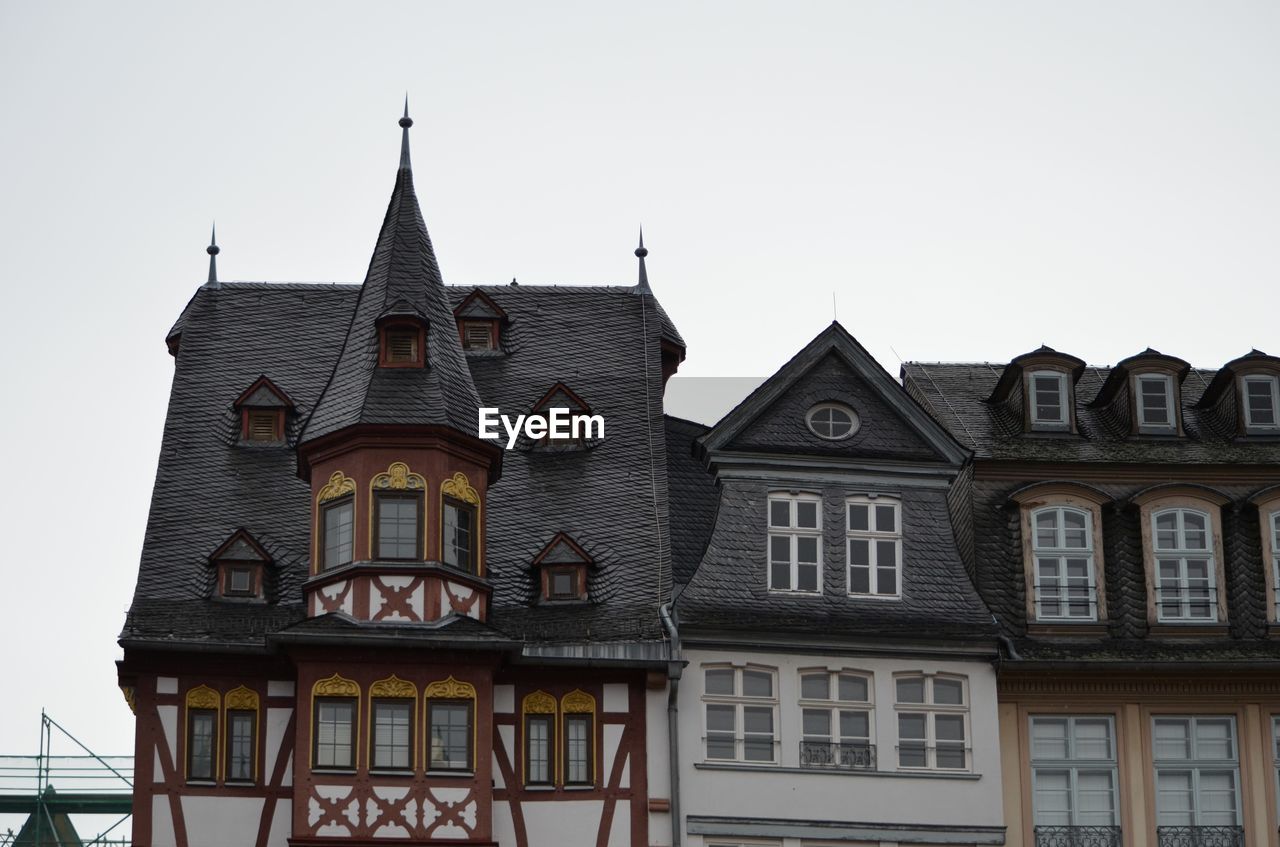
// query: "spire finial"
[[405, 123], [641, 252], [213, 250]]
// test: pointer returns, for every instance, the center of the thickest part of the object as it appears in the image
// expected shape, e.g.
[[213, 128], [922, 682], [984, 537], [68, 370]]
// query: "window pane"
[[859, 580], [338, 534], [815, 686], [200, 755], [721, 718], [859, 552], [816, 724], [858, 517], [950, 756], [911, 689], [886, 519], [806, 549], [1174, 802], [853, 687], [1217, 798], [757, 734], [719, 681], [391, 725], [948, 692], [1172, 739], [886, 580], [779, 513], [780, 548], [780, 576], [1213, 739], [855, 725], [240, 751], [1052, 797], [1047, 528], [887, 554], [578, 754], [1093, 739], [948, 727], [450, 726], [757, 684], [1075, 530], [807, 514], [1097, 805], [1049, 738], [806, 577], [911, 726]]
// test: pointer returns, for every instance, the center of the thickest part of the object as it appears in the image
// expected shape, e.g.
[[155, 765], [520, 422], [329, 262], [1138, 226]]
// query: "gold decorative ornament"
[[460, 487], [242, 698], [336, 686], [450, 689], [338, 485], [577, 702], [130, 697], [538, 703], [393, 686], [398, 477], [202, 697]]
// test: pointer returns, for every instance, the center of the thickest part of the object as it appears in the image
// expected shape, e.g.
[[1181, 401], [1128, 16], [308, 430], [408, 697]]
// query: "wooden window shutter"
[[261, 425]]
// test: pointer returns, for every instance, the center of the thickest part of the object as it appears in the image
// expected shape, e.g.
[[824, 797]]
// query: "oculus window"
[[832, 421]]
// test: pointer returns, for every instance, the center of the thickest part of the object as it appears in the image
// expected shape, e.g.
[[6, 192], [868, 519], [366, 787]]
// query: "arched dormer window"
[[1182, 546], [1040, 387], [1062, 553], [1144, 393], [262, 408], [1245, 395]]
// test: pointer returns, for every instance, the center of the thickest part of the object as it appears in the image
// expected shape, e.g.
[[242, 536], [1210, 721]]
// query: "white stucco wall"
[[830, 795]]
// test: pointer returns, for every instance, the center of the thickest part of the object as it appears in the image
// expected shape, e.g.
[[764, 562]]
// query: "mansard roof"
[[206, 487], [957, 393]]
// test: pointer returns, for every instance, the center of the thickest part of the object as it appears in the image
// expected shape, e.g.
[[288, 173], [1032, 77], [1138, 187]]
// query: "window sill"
[[738, 766], [460, 774], [1168, 629], [889, 597], [579, 788], [203, 783], [389, 772], [1083, 629], [787, 592], [539, 788], [335, 771]]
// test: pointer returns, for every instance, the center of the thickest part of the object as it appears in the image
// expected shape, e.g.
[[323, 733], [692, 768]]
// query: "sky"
[[953, 180]]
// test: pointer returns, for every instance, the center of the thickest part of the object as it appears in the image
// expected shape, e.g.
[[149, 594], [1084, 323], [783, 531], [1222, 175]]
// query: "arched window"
[[1186, 579], [539, 712], [203, 707], [835, 715], [241, 732], [1064, 585], [578, 710]]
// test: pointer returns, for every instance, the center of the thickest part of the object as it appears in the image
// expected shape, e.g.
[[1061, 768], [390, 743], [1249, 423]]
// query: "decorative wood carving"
[[338, 485], [393, 686], [242, 698], [460, 487], [450, 689], [202, 697], [398, 477], [130, 697], [538, 703], [578, 701], [336, 686]]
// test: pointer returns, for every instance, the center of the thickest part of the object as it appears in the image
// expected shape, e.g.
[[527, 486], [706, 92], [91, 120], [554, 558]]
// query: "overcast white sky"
[[970, 179]]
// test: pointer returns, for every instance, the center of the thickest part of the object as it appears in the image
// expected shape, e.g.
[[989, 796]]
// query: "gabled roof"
[[479, 305], [834, 341], [561, 396], [403, 278], [264, 394], [562, 550], [240, 547]]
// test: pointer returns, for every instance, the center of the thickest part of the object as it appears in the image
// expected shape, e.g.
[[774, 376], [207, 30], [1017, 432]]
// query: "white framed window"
[[1065, 584], [795, 543], [1261, 403], [1275, 753], [1197, 770], [1154, 401], [1049, 400], [741, 708], [1274, 533], [1073, 771], [835, 715], [1186, 589], [873, 545], [832, 421], [933, 722]]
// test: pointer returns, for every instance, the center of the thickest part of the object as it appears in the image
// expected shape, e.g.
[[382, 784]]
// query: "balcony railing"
[[1077, 836], [850, 756], [1200, 836]]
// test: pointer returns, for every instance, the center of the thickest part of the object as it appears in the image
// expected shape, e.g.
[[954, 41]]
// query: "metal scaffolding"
[[87, 785]]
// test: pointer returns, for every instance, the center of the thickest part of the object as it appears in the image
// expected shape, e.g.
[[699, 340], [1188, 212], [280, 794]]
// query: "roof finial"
[[213, 251], [405, 123], [641, 252]]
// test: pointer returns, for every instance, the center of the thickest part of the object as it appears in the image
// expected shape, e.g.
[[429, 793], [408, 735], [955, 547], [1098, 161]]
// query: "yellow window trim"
[[459, 488], [579, 702], [393, 688], [339, 485], [538, 703], [241, 699], [449, 689], [334, 686], [200, 697], [398, 477]]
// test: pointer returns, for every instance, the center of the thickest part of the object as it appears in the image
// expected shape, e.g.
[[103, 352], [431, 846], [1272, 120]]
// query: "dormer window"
[[239, 581], [1049, 401], [1261, 403], [563, 570], [262, 408], [832, 421], [240, 563], [1154, 403], [401, 347], [479, 335], [562, 583], [263, 425], [480, 322]]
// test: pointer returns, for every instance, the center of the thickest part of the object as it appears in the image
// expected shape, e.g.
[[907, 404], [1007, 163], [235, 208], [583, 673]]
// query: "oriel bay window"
[[740, 706], [933, 717], [337, 529], [795, 542], [1073, 776], [874, 539], [398, 518], [1197, 772], [835, 714], [1062, 547]]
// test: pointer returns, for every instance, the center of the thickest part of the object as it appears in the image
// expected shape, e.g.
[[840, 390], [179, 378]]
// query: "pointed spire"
[[213, 252], [405, 123], [643, 285]]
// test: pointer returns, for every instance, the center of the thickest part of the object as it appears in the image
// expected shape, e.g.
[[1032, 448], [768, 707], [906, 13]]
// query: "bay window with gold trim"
[[392, 715]]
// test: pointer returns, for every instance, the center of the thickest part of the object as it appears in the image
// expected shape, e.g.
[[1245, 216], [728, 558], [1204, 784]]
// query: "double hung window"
[[1073, 771], [1155, 404], [795, 542], [933, 718], [450, 725], [1062, 544], [398, 518], [1186, 589], [338, 520], [874, 539], [335, 721], [393, 734], [1261, 403], [1197, 771], [835, 714], [459, 544], [1048, 401], [741, 705]]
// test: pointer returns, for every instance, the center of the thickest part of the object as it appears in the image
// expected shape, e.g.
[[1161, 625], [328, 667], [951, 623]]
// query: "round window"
[[832, 421]]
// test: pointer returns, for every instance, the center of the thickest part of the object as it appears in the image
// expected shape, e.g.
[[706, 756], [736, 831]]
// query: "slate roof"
[[694, 498], [956, 394]]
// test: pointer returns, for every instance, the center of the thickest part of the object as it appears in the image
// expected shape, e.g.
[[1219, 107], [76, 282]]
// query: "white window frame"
[[1062, 553], [1062, 422], [1183, 554], [740, 702], [1247, 411], [872, 537], [1194, 765], [1073, 765], [1273, 535], [834, 706], [794, 533], [1275, 754], [931, 711], [855, 423], [1170, 400]]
